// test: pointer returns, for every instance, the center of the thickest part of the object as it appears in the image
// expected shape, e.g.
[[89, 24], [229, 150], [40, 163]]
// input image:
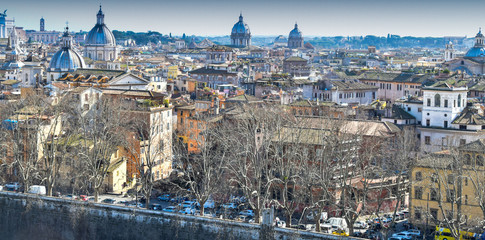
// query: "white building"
[[340, 91], [445, 119]]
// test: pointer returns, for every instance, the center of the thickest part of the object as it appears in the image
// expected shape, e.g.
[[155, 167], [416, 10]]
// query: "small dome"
[[295, 33], [240, 27], [100, 34], [66, 60], [280, 39]]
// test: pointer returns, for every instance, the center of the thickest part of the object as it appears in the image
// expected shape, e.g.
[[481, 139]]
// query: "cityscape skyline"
[[316, 18]]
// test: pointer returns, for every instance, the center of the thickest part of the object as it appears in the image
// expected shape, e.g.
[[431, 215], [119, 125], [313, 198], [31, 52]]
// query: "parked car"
[[155, 206], [170, 209], [403, 235], [12, 186], [280, 223], [229, 205], [1, 188], [247, 213], [83, 197], [72, 197], [187, 204], [208, 204], [414, 232], [164, 197], [187, 211], [109, 200], [243, 218], [299, 226], [340, 233], [37, 189], [360, 225]]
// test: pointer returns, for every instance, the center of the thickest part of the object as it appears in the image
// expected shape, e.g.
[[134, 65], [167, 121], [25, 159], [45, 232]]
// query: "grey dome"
[[240, 27], [66, 60], [295, 33], [100, 34]]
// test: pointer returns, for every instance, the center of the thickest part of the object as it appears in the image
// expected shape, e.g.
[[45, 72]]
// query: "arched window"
[[437, 100], [459, 100], [480, 160]]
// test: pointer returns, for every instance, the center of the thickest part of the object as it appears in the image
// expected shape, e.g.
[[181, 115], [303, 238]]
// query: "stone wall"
[[36, 217]]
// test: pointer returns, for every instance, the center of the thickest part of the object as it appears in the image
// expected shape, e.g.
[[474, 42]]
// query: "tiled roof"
[[243, 98], [393, 77], [295, 59], [470, 116], [399, 113], [352, 85], [211, 71]]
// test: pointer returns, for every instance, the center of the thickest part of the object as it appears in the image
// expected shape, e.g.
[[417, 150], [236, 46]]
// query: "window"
[[428, 123], [420, 109], [466, 199], [417, 213], [445, 124], [428, 102], [450, 195], [468, 159], [409, 109], [480, 160], [459, 100], [433, 194], [451, 179], [462, 142], [466, 181], [418, 176], [437, 100], [462, 127], [446, 103], [434, 213], [418, 192], [434, 178], [427, 140]]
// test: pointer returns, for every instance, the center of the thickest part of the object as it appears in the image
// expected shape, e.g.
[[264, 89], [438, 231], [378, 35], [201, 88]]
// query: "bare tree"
[[23, 125], [205, 169], [100, 129], [251, 133], [56, 140]]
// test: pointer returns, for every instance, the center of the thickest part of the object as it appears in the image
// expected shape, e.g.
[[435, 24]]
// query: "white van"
[[37, 189], [336, 224]]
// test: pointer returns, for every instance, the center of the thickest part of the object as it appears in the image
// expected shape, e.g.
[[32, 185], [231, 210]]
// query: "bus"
[[445, 234]]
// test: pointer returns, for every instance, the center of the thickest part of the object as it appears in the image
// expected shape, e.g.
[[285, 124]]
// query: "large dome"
[[295, 33], [100, 34], [240, 27]]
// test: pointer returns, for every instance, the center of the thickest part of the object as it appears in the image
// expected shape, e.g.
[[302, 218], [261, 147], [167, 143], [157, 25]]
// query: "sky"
[[422, 18]]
